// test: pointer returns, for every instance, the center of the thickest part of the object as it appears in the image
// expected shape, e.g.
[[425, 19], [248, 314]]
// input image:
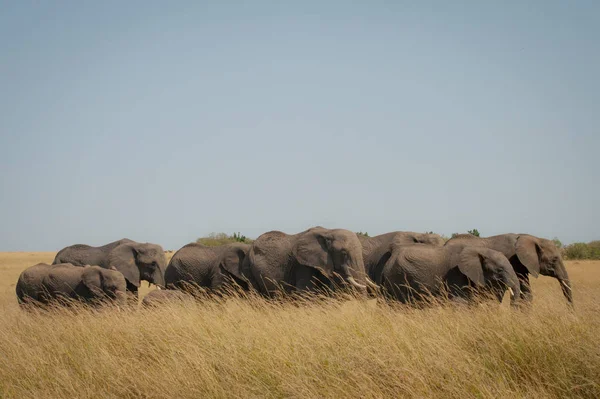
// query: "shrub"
[[238, 237], [474, 232], [216, 239], [360, 233], [581, 250]]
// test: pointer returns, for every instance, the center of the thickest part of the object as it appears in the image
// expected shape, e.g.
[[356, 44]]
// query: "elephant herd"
[[404, 266]]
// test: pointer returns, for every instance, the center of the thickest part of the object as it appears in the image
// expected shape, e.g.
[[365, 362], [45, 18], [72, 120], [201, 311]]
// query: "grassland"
[[335, 348]]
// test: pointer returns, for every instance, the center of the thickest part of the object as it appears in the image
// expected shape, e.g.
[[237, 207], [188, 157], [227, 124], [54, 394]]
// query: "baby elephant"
[[161, 297], [43, 283], [417, 271]]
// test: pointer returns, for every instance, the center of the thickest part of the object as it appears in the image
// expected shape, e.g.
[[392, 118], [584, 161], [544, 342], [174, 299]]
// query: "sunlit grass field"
[[342, 348]]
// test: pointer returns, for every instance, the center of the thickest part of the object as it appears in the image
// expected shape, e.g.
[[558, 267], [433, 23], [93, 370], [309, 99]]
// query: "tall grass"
[[249, 347]]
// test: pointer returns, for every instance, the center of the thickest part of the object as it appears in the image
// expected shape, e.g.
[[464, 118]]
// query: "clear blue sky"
[[165, 121]]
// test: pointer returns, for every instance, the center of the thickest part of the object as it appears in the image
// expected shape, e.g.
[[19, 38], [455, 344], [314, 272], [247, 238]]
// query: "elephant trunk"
[[515, 294], [121, 298], [159, 278], [514, 288], [347, 276], [565, 285]]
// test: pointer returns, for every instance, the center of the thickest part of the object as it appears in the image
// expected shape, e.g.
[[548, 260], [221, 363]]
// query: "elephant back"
[[465, 239], [81, 254], [191, 263], [64, 279], [271, 247], [110, 246]]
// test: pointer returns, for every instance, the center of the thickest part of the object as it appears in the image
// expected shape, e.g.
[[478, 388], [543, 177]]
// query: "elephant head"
[[231, 260], [490, 270], [541, 256], [104, 283], [332, 252], [139, 261]]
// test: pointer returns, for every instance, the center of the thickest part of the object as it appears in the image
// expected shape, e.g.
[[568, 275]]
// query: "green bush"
[[216, 239], [473, 232], [360, 233], [581, 250]]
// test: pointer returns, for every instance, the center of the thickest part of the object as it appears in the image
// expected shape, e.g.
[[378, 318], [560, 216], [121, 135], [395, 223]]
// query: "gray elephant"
[[45, 283], [313, 259], [208, 267], [528, 255], [160, 297], [377, 250], [414, 272], [136, 261]]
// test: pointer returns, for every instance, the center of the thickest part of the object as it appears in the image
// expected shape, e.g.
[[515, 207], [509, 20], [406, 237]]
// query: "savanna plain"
[[341, 347]]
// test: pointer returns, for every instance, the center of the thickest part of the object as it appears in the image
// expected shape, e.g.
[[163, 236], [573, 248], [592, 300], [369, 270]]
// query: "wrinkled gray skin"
[[161, 297], [136, 261], [528, 255], [43, 283], [305, 261], [414, 272], [377, 250], [207, 267]]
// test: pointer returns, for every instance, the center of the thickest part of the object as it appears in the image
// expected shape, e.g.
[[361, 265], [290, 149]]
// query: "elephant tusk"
[[351, 280], [512, 293], [371, 284], [566, 285], [158, 287]]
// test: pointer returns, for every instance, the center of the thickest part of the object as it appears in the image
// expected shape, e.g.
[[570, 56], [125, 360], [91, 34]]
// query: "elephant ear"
[[122, 259], [312, 249], [528, 252], [231, 262], [471, 265], [93, 279]]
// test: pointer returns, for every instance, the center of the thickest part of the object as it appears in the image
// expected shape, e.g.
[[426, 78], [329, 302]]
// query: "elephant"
[[377, 250], [160, 297], [43, 283], [313, 259], [209, 267], [414, 272], [528, 255], [137, 261]]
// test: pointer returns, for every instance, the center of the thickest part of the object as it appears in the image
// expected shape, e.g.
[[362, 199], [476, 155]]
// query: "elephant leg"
[[308, 279], [132, 294], [303, 279], [526, 294]]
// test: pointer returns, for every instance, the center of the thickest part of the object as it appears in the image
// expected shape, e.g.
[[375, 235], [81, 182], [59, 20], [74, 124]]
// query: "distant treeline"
[[582, 250]]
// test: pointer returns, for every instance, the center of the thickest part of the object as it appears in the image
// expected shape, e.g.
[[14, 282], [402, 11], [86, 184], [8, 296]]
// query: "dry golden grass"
[[336, 348]]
